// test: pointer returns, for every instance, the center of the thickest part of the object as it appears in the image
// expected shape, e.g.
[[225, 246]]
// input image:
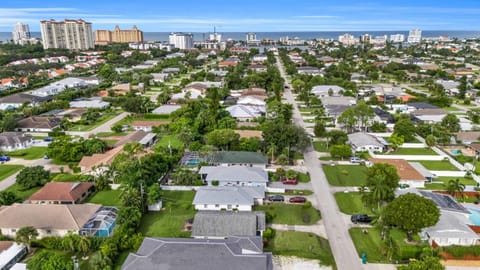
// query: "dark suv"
[[276, 198], [361, 219]]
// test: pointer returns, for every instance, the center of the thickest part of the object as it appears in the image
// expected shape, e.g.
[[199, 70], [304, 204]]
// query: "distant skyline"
[[249, 15]]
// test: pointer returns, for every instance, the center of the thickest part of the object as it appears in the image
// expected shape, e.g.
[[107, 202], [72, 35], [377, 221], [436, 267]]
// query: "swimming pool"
[[455, 152], [475, 216]]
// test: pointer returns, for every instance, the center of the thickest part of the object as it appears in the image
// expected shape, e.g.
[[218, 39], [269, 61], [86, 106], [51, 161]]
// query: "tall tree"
[[382, 180], [451, 122], [26, 235], [455, 187], [411, 213], [405, 127], [30, 177]]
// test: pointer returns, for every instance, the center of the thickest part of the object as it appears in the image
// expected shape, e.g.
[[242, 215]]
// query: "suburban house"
[[12, 141], [327, 90], [222, 224], [17, 100], [166, 109], [309, 71], [344, 101], [413, 106], [48, 219], [452, 227], [257, 67], [258, 93], [228, 198], [428, 115], [408, 174], [60, 86], [468, 137], [95, 103], [147, 125], [233, 253], [362, 141], [252, 101], [240, 158], [10, 254], [62, 193], [245, 112], [38, 124], [234, 176], [95, 161], [259, 58]]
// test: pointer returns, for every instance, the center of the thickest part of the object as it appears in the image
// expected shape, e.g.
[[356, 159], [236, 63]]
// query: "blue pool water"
[[475, 216], [193, 162], [455, 152]]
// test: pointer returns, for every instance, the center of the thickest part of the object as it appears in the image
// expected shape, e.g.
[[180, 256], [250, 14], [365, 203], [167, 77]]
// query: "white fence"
[[181, 188], [413, 145], [449, 173], [408, 157], [275, 190]]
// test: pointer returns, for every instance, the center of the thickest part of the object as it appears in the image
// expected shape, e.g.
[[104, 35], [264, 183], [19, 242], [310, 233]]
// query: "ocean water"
[[163, 36]]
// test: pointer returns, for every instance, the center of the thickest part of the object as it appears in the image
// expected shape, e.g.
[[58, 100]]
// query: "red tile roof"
[[61, 191]]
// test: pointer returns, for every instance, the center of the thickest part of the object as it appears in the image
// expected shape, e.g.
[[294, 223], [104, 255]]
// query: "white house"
[[361, 141], [12, 141], [327, 90], [245, 112], [228, 198], [451, 229], [234, 176]]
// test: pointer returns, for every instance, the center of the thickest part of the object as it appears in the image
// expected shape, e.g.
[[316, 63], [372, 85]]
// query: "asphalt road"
[[341, 243]]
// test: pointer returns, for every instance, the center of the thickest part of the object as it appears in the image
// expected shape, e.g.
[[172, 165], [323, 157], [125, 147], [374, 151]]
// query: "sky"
[[249, 15]]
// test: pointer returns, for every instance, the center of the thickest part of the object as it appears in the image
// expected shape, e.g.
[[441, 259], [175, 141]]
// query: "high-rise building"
[[379, 40], [215, 36], [68, 34], [21, 33], [104, 37], [397, 38], [415, 36], [347, 39], [365, 38], [181, 40]]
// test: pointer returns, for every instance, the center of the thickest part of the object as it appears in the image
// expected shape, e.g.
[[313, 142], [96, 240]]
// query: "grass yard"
[[320, 146], [29, 153], [437, 165], [443, 182], [103, 119], [413, 151], [106, 198], [111, 143], [170, 139], [22, 194], [351, 203], [298, 155], [346, 175], [291, 214], [110, 134], [372, 244], [303, 178], [7, 170], [169, 222], [301, 244]]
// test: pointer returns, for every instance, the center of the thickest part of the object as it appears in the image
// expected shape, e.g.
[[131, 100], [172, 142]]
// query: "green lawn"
[[101, 120], [303, 178], [437, 165], [106, 198], [351, 203], [109, 134], [301, 244], [346, 175], [371, 243], [170, 139], [298, 155], [444, 182], [292, 214], [22, 194], [320, 146], [7, 170], [111, 143], [30, 153], [413, 151], [169, 222]]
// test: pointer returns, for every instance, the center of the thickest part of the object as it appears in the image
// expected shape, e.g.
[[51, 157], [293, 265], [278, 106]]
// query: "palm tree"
[[84, 245], [455, 186], [26, 235], [379, 191], [131, 197]]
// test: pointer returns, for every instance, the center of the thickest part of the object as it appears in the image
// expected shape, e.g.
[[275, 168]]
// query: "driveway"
[[341, 243], [105, 127], [9, 181]]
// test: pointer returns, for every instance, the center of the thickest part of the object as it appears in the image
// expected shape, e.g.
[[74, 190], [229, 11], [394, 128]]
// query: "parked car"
[[289, 181], [361, 218], [297, 200], [4, 158], [356, 160], [276, 198], [48, 139]]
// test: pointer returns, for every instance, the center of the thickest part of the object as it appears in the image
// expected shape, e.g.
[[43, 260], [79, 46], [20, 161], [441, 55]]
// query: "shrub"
[[344, 172], [461, 251], [268, 234], [307, 205], [215, 183]]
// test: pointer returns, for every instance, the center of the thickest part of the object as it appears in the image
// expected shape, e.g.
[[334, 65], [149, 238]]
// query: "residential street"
[[7, 182], [341, 243], [105, 127]]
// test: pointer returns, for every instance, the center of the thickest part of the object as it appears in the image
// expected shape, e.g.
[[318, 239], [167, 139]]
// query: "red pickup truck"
[[292, 181]]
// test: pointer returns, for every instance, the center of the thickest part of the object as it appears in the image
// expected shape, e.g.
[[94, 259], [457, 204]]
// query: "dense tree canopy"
[[30, 177], [382, 180]]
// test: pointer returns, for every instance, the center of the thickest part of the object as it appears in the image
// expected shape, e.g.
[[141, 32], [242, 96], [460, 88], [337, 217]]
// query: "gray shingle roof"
[[451, 225], [360, 139], [227, 195], [223, 223], [199, 254], [13, 138], [234, 173]]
